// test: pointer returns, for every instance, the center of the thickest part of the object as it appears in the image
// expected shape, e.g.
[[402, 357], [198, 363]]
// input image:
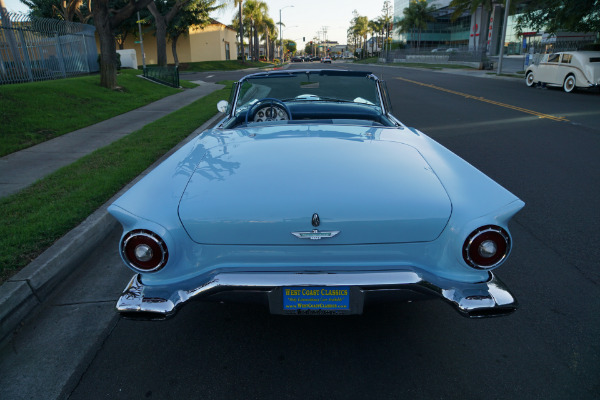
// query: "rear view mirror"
[[222, 106]]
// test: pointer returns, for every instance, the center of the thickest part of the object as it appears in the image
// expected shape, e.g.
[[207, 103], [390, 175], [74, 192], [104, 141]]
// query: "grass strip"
[[31, 113], [374, 60], [229, 65], [33, 219], [432, 66]]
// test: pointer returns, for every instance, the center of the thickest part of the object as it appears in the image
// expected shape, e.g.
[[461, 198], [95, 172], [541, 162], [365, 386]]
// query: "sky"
[[306, 19]]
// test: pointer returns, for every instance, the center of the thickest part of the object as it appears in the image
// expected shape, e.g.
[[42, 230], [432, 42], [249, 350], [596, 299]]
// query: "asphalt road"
[[543, 145]]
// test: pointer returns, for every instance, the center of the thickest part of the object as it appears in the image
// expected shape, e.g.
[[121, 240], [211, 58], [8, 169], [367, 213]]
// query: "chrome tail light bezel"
[[133, 239], [471, 247]]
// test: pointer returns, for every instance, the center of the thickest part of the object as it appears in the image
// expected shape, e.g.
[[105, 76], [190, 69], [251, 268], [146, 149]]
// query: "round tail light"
[[486, 247], [144, 250]]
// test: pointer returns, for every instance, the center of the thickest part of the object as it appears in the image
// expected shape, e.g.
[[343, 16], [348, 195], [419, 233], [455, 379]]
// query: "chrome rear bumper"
[[473, 300]]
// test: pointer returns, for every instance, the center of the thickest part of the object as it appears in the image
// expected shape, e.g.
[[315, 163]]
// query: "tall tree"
[[241, 28], [376, 27], [235, 23], [254, 11], [555, 15], [107, 20], [67, 10], [353, 36], [415, 18], [360, 30], [290, 46], [269, 34], [163, 12], [387, 15]]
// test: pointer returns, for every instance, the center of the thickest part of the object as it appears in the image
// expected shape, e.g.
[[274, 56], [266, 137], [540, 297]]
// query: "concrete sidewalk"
[[22, 168]]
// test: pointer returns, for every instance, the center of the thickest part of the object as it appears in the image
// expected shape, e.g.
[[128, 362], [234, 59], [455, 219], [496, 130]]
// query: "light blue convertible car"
[[312, 198]]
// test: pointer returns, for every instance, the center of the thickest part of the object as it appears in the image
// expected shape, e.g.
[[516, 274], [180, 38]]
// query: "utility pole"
[[281, 34], [503, 37]]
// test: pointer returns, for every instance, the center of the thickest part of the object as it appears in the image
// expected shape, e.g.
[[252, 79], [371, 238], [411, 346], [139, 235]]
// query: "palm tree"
[[254, 11], [268, 31], [241, 28], [377, 27], [387, 17], [361, 30], [416, 16]]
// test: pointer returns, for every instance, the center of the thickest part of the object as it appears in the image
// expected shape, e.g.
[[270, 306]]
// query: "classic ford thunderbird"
[[312, 198]]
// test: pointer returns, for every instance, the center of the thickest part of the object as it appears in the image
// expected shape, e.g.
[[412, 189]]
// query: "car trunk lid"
[[266, 191]]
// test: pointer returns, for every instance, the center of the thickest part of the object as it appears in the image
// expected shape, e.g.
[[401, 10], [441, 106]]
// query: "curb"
[[22, 295]]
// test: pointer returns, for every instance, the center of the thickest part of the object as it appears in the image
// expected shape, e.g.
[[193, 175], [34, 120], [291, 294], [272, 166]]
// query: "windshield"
[[310, 86]]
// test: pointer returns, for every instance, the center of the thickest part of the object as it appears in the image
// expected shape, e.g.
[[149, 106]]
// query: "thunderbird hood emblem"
[[315, 234]]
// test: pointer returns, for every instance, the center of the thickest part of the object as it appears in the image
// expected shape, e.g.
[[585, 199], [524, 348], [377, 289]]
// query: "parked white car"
[[571, 70]]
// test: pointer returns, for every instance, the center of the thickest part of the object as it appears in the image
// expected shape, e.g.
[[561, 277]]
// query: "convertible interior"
[[308, 97]]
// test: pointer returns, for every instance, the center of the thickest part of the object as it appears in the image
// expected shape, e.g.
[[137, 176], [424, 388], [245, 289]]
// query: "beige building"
[[215, 42]]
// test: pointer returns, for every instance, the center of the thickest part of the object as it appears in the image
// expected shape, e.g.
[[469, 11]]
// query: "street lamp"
[[281, 35]]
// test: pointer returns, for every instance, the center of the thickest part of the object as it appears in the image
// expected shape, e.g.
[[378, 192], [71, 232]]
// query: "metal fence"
[[168, 75], [556, 46], [35, 49]]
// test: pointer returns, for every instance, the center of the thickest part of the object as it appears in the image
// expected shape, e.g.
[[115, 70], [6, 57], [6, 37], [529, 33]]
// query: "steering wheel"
[[268, 109]]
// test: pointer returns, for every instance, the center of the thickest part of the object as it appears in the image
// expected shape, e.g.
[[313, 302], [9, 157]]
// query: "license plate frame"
[[316, 299]]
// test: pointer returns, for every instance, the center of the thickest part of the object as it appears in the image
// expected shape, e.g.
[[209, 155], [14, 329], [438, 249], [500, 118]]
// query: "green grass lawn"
[[31, 113], [33, 219], [369, 60], [230, 65]]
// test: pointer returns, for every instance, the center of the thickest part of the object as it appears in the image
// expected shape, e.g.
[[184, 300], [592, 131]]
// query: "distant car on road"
[[297, 59], [452, 50], [438, 50], [326, 59], [571, 70]]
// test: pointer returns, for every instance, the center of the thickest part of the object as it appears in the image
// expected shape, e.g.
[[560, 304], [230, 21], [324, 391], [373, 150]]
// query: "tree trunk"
[[256, 45], [242, 34], [267, 47], [250, 43], [174, 50], [108, 50], [105, 25], [160, 24]]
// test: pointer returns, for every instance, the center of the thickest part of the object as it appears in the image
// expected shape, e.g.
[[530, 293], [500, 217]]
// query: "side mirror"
[[222, 106]]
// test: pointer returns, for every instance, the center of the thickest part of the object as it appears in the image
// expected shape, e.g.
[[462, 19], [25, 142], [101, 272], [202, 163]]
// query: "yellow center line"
[[468, 96]]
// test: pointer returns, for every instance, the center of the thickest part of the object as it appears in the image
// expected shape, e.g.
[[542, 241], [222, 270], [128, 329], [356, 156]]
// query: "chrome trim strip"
[[315, 234], [473, 300]]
